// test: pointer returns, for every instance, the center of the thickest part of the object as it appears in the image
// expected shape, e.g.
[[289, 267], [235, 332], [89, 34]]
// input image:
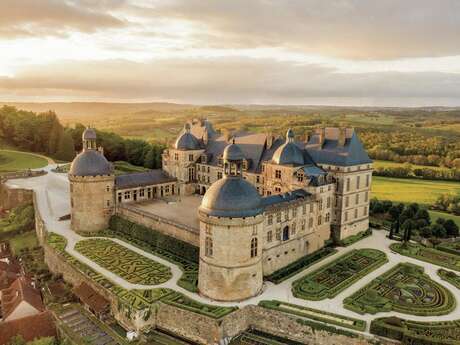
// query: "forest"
[[44, 133]]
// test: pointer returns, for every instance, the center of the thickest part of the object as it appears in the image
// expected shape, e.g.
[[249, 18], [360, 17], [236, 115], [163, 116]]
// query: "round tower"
[[92, 185], [231, 225]]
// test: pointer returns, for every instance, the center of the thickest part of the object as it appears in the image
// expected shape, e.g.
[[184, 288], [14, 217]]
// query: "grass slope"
[[16, 161]]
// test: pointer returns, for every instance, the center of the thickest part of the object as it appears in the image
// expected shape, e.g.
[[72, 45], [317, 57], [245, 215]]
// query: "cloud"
[[351, 29], [224, 80], [23, 18]]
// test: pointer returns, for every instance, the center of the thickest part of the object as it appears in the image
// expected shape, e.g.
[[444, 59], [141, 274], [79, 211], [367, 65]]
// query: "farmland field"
[[15, 160], [411, 190], [388, 164]]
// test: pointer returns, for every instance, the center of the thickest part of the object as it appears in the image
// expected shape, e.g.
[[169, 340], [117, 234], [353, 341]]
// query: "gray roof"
[[286, 197], [147, 178], [233, 153], [231, 197], [90, 163], [89, 134], [288, 154], [187, 141], [331, 152]]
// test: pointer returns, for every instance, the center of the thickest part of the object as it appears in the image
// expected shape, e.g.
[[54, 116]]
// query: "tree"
[[426, 232], [438, 230], [66, 151], [407, 227], [451, 228], [391, 231], [17, 340], [423, 214], [149, 158]]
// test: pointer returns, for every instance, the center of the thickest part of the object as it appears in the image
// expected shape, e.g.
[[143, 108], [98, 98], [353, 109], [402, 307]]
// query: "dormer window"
[[220, 161], [204, 159], [245, 164]]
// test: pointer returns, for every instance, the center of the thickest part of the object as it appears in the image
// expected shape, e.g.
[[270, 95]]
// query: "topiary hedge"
[[297, 266], [405, 289], [315, 314], [450, 277], [417, 333], [355, 238]]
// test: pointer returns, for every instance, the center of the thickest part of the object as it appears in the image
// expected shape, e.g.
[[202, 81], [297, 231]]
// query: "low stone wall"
[[12, 197], [165, 226]]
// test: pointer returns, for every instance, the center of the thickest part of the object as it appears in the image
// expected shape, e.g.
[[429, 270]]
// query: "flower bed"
[[430, 255], [299, 265], [450, 277], [405, 289], [412, 332], [138, 300], [315, 314], [329, 280], [355, 238], [123, 262]]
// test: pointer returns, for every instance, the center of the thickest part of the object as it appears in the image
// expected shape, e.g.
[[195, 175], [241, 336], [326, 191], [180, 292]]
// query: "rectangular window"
[[190, 158], [278, 234], [219, 175], [119, 197], [176, 156], [209, 170], [303, 224], [278, 174], [366, 197], [348, 184], [328, 203], [311, 207], [310, 223], [368, 178], [294, 212], [347, 201], [358, 182], [328, 217], [320, 219], [208, 247], [356, 213], [278, 217], [293, 228], [141, 192], [108, 188], [320, 204], [257, 179], [346, 216], [269, 236], [357, 199], [304, 209], [270, 219], [127, 195]]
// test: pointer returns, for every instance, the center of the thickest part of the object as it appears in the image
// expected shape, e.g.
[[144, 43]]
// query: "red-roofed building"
[[20, 300], [30, 328]]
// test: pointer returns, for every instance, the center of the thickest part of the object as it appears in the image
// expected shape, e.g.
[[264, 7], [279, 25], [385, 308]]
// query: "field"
[[16, 161], [125, 263], [411, 190], [406, 289], [389, 164], [328, 281], [22, 241]]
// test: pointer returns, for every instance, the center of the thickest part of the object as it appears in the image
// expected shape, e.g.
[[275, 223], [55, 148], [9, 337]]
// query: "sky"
[[334, 52]]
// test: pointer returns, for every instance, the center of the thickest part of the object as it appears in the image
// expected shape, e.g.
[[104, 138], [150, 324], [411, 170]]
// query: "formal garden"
[[413, 332], [449, 247], [315, 314], [131, 301], [123, 262], [405, 288], [329, 280], [450, 277], [431, 255]]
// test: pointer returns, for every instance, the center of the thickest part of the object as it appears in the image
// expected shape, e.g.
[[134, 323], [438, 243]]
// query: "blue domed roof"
[[233, 153], [289, 153], [231, 197], [90, 163], [187, 141], [89, 134]]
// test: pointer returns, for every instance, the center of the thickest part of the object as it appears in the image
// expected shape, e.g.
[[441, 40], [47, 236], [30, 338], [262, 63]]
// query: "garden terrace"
[[315, 314], [430, 255], [299, 265], [449, 247], [255, 337], [129, 265], [450, 277], [412, 332], [136, 300], [406, 289], [329, 280]]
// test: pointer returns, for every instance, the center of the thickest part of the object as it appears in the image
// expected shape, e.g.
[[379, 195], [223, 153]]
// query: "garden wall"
[[12, 197], [160, 224]]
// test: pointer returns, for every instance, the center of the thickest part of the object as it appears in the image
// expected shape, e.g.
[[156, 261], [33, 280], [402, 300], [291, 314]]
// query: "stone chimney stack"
[[270, 140], [342, 136], [322, 136]]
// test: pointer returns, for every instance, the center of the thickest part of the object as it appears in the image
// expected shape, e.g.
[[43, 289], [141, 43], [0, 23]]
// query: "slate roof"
[[20, 290], [330, 152], [286, 197], [151, 177], [91, 298], [90, 163], [30, 328]]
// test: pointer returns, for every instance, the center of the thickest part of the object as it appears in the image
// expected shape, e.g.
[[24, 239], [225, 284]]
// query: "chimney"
[[322, 136], [342, 136], [270, 140], [206, 136]]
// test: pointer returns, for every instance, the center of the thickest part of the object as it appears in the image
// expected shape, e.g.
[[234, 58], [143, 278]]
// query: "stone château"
[[268, 201]]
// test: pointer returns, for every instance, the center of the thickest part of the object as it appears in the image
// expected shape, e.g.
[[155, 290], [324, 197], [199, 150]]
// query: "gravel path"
[[52, 191]]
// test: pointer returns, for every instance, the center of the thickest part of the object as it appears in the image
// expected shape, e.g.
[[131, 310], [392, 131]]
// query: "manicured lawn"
[[430, 255], [405, 289], [329, 280], [411, 190], [16, 161], [436, 214], [125, 263]]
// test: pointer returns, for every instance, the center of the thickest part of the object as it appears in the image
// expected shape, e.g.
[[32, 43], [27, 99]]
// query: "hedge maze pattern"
[[123, 262], [437, 257], [450, 277], [328, 281], [405, 289], [413, 332], [136, 300]]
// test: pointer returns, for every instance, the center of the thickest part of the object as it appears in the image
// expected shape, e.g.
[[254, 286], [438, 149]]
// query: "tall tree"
[[66, 150]]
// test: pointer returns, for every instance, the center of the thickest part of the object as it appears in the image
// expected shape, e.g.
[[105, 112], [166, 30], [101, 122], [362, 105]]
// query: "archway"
[[286, 233]]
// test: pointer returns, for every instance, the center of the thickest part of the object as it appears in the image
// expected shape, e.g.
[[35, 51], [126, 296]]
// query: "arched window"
[[286, 233], [208, 246], [254, 247]]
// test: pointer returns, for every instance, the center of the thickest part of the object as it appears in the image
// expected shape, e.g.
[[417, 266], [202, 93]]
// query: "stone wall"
[[165, 226], [12, 197]]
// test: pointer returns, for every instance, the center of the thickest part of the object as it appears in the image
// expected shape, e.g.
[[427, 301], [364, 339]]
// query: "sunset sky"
[[344, 52]]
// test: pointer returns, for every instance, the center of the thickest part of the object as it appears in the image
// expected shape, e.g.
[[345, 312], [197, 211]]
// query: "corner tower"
[[231, 225], [91, 187]]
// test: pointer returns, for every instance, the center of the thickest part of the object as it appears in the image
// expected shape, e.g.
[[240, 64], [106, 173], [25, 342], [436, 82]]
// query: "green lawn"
[[15, 160], [25, 240], [389, 164], [436, 214], [411, 190]]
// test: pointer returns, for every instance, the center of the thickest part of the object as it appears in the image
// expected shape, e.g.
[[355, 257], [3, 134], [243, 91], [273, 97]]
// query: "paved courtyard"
[[181, 209], [52, 194]]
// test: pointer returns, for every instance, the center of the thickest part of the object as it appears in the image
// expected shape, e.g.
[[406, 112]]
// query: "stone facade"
[[10, 198]]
